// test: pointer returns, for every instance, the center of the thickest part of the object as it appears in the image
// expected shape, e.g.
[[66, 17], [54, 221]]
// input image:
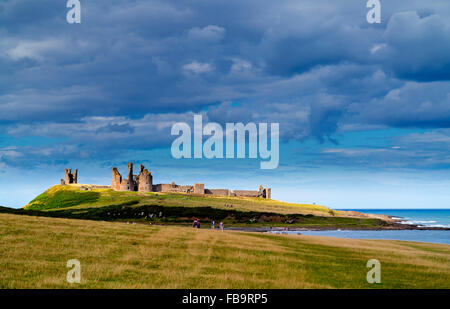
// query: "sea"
[[421, 217]]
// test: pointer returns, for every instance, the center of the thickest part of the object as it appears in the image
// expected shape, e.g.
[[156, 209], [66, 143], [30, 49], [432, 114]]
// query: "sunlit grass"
[[34, 252]]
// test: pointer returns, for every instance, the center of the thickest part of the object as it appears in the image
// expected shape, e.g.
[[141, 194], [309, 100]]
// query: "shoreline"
[[404, 227]]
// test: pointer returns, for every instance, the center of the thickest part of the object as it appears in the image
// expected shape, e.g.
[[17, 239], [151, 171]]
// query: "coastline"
[[395, 231], [277, 229], [395, 227]]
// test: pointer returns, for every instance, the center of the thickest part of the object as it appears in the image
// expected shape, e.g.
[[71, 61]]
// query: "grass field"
[[34, 252]]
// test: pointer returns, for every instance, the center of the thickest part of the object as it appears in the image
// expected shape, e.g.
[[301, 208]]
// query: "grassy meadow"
[[34, 252]]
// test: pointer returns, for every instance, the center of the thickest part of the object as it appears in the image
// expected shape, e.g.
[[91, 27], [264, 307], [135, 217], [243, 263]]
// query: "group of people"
[[213, 225]]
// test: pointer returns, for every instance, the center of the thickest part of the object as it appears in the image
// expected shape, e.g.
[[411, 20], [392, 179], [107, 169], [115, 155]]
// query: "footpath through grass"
[[34, 252]]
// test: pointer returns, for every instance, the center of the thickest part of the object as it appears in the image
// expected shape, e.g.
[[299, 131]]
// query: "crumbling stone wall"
[[222, 192], [199, 188], [262, 192], [172, 187], [247, 193]]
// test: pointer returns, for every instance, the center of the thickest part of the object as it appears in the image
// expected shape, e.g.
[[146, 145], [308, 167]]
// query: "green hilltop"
[[82, 196]]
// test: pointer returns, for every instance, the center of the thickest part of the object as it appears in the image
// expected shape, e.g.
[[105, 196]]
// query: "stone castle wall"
[[247, 193], [223, 192], [199, 188], [163, 187]]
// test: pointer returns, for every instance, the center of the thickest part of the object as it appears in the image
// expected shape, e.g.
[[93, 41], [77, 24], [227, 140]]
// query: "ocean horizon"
[[420, 217]]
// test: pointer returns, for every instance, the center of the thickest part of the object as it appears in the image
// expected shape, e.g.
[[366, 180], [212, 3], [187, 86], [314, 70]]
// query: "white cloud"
[[240, 65], [198, 67], [377, 47], [9, 152], [34, 49], [208, 33]]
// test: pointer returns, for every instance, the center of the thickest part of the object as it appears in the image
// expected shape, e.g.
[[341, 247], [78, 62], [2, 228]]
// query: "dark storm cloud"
[[420, 105], [417, 47], [131, 68]]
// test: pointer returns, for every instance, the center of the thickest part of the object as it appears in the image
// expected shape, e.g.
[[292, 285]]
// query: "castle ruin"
[[144, 183]]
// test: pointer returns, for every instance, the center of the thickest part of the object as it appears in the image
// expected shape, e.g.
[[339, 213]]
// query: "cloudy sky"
[[364, 109]]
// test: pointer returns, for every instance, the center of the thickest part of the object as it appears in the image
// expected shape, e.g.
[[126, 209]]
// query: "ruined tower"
[[145, 180], [116, 179], [130, 174], [69, 178], [127, 184], [120, 184], [267, 193]]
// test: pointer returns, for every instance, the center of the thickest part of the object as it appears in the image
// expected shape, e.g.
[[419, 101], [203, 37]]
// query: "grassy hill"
[[34, 252], [87, 202], [76, 196]]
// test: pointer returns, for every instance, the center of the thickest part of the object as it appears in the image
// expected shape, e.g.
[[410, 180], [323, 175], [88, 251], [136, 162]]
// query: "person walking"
[[213, 225], [221, 226]]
